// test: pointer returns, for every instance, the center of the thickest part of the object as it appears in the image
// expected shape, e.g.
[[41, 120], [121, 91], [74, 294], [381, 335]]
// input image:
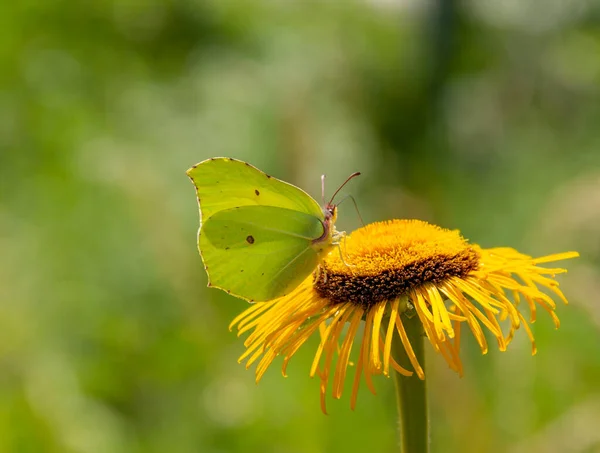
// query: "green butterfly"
[[259, 237]]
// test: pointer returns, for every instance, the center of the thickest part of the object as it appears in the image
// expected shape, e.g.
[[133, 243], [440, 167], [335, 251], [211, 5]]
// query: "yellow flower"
[[391, 270]]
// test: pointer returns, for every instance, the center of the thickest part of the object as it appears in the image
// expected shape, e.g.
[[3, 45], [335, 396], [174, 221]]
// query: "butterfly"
[[259, 237]]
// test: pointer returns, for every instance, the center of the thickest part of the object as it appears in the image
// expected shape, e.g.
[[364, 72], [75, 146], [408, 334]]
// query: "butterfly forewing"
[[224, 183]]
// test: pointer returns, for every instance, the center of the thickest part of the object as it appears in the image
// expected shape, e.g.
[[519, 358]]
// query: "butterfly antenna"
[[353, 175], [355, 207], [323, 189]]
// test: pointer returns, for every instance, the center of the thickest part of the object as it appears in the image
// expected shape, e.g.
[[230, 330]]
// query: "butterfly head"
[[330, 209], [330, 213], [330, 234]]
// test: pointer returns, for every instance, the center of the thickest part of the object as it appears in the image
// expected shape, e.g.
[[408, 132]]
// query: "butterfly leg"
[[342, 255], [320, 271]]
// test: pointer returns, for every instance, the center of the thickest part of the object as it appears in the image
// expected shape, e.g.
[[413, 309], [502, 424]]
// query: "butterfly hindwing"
[[259, 252]]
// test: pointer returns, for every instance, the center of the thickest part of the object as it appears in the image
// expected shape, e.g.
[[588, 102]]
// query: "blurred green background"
[[480, 115]]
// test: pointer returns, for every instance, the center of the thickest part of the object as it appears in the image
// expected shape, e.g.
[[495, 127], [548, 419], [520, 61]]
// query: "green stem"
[[411, 391]]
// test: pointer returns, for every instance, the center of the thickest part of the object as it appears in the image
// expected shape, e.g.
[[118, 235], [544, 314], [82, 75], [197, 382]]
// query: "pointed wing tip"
[[190, 170]]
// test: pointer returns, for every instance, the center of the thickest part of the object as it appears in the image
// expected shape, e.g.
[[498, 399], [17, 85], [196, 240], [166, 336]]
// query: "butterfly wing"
[[224, 183], [259, 253]]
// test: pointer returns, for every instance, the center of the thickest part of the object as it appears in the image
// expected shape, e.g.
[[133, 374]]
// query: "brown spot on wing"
[[250, 239]]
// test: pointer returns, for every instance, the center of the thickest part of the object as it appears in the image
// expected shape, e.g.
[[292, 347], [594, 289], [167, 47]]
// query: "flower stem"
[[411, 392]]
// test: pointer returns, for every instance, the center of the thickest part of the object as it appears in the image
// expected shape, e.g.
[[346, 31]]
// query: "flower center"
[[385, 260]]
